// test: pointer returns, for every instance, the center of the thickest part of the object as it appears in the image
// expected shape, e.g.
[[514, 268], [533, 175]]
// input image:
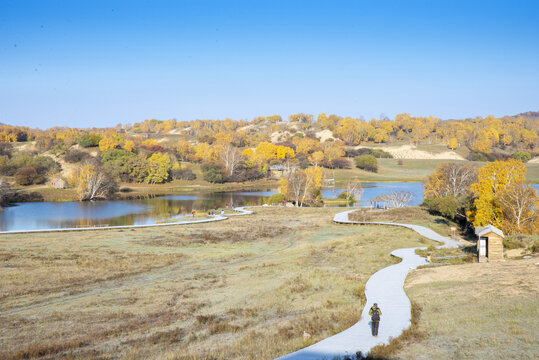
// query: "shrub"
[[88, 140], [276, 199], [6, 149], [367, 162], [513, 242], [450, 207], [244, 174], [381, 154], [377, 153], [213, 173], [522, 156], [28, 176], [75, 156], [344, 195], [340, 163], [183, 174], [59, 149], [477, 156]]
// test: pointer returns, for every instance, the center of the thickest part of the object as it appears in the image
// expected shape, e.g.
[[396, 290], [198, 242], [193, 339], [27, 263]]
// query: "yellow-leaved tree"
[[492, 180], [159, 166], [303, 186], [453, 143]]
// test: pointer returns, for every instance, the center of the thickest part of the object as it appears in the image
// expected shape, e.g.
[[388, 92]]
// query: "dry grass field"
[[245, 288], [473, 311]]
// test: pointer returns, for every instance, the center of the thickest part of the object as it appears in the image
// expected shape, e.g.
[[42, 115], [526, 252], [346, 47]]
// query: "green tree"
[[367, 162]]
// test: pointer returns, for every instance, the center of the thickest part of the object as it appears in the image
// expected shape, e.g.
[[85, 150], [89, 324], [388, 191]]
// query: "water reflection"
[[50, 215]]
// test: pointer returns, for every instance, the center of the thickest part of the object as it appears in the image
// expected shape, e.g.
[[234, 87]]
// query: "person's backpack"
[[375, 315]]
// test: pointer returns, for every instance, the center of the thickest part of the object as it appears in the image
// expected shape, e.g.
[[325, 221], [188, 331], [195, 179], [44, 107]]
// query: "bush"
[[344, 195], [513, 242], [450, 207], [28, 176], [244, 174], [381, 154], [377, 153], [183, 174], [276, 199], [522, 156], [340, 163], [477, 156], [88, 140], [367, 162], [6, 149], [213, 173], [75, 156]]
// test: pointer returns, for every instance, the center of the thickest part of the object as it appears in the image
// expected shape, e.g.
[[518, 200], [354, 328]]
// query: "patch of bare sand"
[[411, 152], [517, 276], [535, 160], [324, 135]]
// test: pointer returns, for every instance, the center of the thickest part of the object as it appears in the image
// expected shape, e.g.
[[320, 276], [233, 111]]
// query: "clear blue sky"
[[98, 63]]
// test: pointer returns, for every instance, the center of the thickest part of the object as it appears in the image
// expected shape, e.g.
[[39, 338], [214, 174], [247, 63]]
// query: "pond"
[[56, 215]]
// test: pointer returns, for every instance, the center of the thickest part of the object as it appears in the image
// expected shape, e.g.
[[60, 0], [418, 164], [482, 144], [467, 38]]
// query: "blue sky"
[[99, 63]]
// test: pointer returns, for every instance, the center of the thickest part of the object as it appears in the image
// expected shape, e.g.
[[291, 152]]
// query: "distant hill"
[[529, 114]]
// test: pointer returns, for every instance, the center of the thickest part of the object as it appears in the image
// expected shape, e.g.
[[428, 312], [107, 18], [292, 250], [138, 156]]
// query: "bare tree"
[[231, 158], [400, 198], [519, 203], [94, 183], [295, 182], [450, 179], [459, 178]]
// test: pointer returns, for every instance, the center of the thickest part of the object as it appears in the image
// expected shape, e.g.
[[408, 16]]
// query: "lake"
[[56, 215]]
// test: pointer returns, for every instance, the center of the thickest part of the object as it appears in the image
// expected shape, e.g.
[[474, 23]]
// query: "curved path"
[[385, 287], [241, 211]]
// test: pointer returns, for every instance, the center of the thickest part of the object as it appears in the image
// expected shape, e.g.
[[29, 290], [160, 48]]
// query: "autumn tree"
[[183, 149], [94, 183], [230, 157], [159, 166], [129, 145], [492, 180], [108, 143], [303, 186], [519, 204], [453, 143], [450, 179]]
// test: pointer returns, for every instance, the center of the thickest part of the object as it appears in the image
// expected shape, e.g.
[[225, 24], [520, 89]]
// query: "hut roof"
[[487, 229], [383, 197]]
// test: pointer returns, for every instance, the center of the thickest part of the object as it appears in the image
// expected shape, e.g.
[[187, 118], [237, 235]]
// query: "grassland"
[[411, 170], [245, 288], [474, 311]]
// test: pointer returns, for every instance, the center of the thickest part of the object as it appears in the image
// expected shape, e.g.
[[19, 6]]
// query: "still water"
[[52, 215]]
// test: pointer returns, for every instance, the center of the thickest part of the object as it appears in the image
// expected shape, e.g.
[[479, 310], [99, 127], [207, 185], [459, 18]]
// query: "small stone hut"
[[489, 243]]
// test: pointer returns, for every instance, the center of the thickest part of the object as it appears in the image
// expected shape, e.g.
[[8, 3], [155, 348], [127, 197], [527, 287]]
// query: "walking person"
[[375, 313]]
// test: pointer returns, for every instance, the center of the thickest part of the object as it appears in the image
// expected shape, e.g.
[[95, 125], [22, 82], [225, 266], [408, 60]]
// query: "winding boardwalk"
[[385, 287]]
